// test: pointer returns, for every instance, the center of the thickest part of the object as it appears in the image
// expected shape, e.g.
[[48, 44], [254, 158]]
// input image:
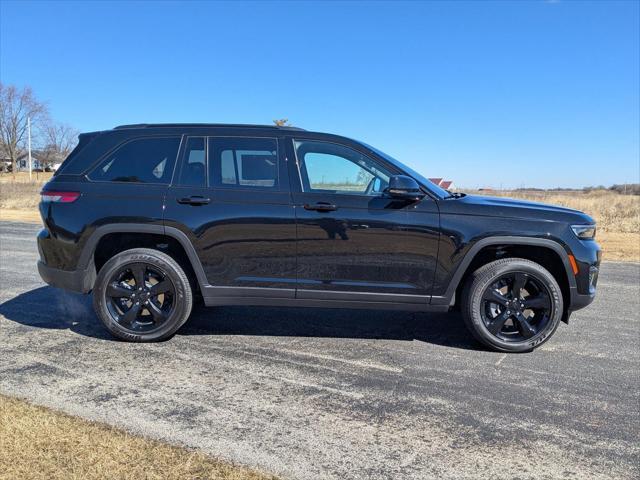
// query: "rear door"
[[354, 242], [135, 173], [231, 197]]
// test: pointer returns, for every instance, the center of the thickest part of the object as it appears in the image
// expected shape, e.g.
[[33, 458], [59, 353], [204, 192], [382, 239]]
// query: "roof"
[[435, 180], [200, 125], [445, 184], [25, 156]]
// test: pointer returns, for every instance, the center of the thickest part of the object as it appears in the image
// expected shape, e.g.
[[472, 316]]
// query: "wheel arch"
[[549, 253], [91, 261]]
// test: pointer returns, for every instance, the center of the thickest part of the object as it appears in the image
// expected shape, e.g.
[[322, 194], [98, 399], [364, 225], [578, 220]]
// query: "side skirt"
[[217, 296]]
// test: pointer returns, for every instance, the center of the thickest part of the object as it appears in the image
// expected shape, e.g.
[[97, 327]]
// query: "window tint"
[[144, 160], [243, 162], [329, 167], [194, 170]]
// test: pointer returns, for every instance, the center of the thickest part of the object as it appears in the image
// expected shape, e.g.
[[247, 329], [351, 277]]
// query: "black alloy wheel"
[[516, 307], [140, 297], [512, 304]]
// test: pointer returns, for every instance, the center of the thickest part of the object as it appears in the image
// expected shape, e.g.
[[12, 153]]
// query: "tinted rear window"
[[143, 160], [243, 162], [194, 164]]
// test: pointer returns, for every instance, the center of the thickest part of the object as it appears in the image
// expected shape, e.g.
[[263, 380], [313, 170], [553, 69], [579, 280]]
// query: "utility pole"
[[29, 144]]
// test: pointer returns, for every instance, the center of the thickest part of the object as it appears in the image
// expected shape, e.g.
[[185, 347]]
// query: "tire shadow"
[[51, 308]]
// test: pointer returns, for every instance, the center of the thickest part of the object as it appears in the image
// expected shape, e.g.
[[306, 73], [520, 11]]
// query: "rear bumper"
[[74, 280]]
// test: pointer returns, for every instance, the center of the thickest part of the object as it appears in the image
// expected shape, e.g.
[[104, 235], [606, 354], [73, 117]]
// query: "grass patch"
[[39, 443]]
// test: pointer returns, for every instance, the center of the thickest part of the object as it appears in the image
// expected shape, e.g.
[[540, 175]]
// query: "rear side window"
[[243, 162], [194, 171], [144, 160]]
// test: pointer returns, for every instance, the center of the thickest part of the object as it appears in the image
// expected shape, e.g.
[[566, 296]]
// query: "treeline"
[[623, 188], [627, 188], [51, 141]]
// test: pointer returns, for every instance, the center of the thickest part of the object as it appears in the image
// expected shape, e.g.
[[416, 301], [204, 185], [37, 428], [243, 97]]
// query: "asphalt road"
[[339, 394]]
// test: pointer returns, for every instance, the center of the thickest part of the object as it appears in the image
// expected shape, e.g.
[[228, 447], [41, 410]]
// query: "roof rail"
[[174, 125]]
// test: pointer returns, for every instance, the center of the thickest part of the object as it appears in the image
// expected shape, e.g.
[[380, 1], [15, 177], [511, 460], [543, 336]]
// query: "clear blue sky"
[[541, 93]]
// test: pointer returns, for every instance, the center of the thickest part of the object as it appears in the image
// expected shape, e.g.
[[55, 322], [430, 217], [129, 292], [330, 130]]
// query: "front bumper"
[[588, 256], [74, 280], [579, 301]]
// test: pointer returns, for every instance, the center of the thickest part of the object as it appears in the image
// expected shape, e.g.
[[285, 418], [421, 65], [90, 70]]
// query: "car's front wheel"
[[142, 295], [512, 305]]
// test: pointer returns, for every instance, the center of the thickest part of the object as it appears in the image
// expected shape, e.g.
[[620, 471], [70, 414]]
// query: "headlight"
[[585, 232]]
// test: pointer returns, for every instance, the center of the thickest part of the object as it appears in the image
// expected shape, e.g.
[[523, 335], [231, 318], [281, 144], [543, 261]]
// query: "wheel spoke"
[[525, 328], [158, 315], [519, 281], [497, 323], [161, 287], [138, 271], [133, 302], [116, 290], [539, 301], [494, 295], [130, 315]]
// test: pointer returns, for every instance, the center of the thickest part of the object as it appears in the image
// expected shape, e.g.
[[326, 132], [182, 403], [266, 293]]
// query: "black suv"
[[149, 217]]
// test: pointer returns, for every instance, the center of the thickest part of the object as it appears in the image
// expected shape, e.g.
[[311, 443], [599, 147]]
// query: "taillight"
[[59, 197]]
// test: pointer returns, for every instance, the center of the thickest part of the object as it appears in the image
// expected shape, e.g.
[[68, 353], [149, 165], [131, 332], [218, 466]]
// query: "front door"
[[354, 242], [231, 198]]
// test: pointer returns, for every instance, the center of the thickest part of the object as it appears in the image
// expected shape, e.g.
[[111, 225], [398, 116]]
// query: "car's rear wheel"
[[512, 305], [142, 295]]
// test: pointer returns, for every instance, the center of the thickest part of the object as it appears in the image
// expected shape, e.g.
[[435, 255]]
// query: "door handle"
[[321, 207], [194, 200]]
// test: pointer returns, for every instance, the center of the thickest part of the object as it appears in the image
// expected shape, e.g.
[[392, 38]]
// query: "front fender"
[[449, 295]]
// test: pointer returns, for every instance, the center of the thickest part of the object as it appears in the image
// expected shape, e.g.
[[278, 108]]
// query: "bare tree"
[[59, 140], [15, 107]]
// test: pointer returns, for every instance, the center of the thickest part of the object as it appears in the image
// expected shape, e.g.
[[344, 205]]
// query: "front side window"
[[332, 168], [243, 162], [143, 160]]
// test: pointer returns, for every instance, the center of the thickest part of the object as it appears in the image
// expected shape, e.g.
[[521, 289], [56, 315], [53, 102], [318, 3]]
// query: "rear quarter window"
[[142, 160]]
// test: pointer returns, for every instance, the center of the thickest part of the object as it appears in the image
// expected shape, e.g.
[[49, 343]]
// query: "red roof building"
[[442, 183]]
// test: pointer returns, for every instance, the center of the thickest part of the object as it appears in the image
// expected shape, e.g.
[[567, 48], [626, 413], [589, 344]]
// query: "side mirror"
[[405, 188]]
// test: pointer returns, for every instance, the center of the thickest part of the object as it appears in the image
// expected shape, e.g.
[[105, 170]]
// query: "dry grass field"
[[38, 443], [618, 216], [612, 211], [19, 197]]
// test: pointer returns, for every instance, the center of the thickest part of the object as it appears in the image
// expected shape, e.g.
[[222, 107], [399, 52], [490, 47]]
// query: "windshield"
[[441, 192]]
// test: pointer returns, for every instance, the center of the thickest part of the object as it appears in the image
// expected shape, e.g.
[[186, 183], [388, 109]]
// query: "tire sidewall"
[[182, 297], [484, 279]]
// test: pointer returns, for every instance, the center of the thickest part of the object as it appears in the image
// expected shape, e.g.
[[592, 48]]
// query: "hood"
[[512, 208]]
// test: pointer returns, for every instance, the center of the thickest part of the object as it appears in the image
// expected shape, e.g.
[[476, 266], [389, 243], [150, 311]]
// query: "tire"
[[156, 282], [528, 318]]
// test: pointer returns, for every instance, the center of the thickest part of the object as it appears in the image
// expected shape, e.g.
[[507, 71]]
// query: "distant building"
[[442, 183], [22, 164]]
